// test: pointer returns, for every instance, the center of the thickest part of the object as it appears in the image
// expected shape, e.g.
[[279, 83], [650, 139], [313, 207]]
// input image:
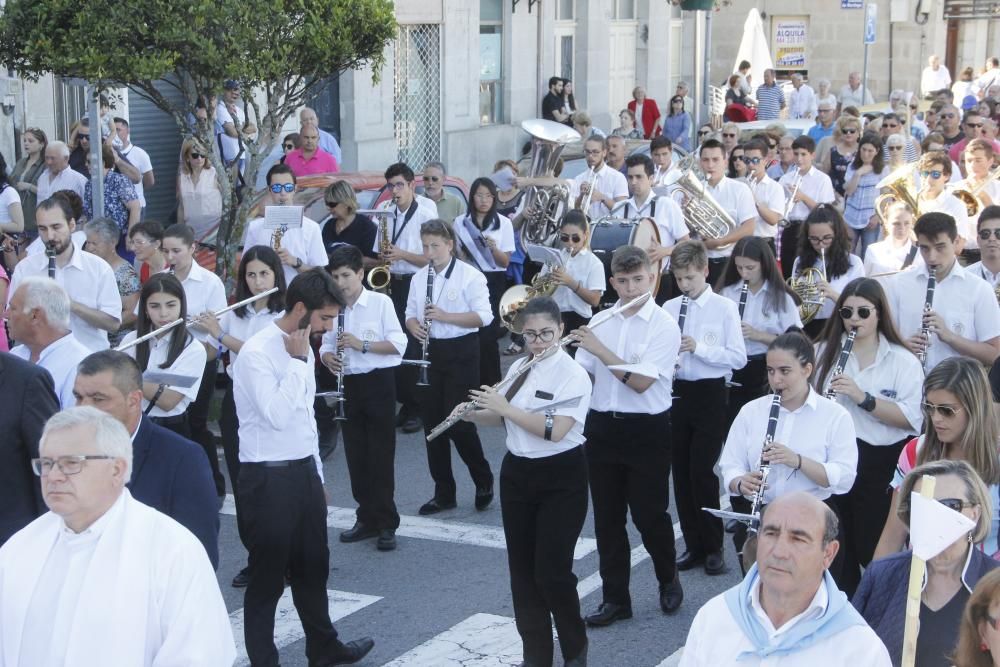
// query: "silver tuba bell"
[[702, 214], [545, 204]]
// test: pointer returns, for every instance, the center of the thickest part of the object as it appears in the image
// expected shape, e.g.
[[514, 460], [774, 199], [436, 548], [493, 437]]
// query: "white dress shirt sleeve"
[[987, 316], [733, 462], [661, 355], [274, 397], [254, 235], [841, 463], [479, 298], [328, 343], [674, 218], [108, 298], [731, 352], [594, 278], [216, 294], [619, 186], [745, 208], [506, 242]]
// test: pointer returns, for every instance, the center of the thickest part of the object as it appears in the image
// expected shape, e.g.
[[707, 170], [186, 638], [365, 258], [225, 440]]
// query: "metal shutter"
[[157, 133]]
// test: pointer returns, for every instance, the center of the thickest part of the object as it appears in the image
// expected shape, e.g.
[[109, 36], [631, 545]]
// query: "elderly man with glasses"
[[102, 578], [825, 118], [448, 205]]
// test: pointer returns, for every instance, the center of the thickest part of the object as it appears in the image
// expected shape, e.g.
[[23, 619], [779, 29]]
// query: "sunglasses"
[[754, 161], [289, 147], [895, 148], [984, 234], [728, 134], [433, 179], [287, 187], [702, 133], [330, 204], [956, 504], [936, 173], [195, 155], [850, 131], [864, 312], [947, 411], [566, 238], [974, 126]]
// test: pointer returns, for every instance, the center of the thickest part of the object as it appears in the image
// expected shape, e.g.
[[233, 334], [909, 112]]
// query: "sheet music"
[[169, 379], [544, 254], [503, 179], [282, 217]]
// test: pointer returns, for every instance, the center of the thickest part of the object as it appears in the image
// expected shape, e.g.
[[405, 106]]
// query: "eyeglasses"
[[396, 186], [974, 126], [754, 161], [566, 238], [702, 133], [946, 411], [895, 148], [68, 465], [289, 147], [864, 312], [432, 179], [850, 130], [195, 155], [956, 504], [139, 243], [936, 173], [287, 187], [821, 239], [984, 234], [545, 335], [728, 134]]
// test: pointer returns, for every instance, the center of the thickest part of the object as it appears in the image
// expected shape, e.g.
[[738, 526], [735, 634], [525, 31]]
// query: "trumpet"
[[457, 415], [339, 414], [845, 354], [379, 276], [789, 205], [585, 204], [970, 196]]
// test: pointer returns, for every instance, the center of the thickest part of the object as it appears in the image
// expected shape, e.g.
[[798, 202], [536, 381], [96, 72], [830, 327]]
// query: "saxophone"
[[378, 277]]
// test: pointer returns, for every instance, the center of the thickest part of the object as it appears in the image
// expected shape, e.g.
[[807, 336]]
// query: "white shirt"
[[648, 341], [230, 146], [820, 430], [771, 196], [243, 328], [716, 639], [557, 378], [139, 159], [609, 182], [88, 280], [979, 269], [304, 243], [758, 314], [894, 376], [815, 184], [8, 197], [883, 257], [965, 301], [971, 231], [406, 235], [662, 178], [60, 358], [802, 102], [850, 97], [274, 401], [372, 318], [203, 291], [665, 213], [714, 322], [985, 80], [953, 206], [189, 363], [67, 179], [932, 80], [586, 268], [503, 236], [459, 288], [735, 198], [856, 269]]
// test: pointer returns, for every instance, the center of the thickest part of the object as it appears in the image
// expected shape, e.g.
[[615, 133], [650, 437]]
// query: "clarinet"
[[681, 316], [339, 414], [845, 354], [925, 329], [763, 467], [744, 292], [50, 252], [422, 379]]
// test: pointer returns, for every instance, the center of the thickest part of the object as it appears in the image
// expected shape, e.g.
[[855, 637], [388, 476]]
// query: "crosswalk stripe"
[[442, 530], [482, 640], [288, 628]]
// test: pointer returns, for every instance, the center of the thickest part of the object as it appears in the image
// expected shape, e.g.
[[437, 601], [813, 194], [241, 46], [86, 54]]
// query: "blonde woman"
[[199, 200], [345, 225], [836, 152]]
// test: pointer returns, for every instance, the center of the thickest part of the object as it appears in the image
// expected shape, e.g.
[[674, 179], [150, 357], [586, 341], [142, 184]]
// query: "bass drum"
[[609, 234]]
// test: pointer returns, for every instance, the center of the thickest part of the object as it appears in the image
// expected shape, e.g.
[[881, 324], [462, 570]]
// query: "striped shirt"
[[860, 206], [909, 152], [770, 102]]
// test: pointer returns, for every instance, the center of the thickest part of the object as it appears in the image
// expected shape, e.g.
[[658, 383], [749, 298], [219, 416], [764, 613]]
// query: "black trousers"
[[699, 431], [789, 246], [370, 445], [229, 425], [628, 462], [198, 418], [572, 320], [453, 372], [406, 376], [544, 504], [179, 424], [864, 509], [716, 267], [489, 349], [749, 383], [285, 513]]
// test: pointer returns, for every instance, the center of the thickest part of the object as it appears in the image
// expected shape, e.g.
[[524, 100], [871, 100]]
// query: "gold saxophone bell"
[[970, 196], [276, 238], [379, 276], [805, 284]]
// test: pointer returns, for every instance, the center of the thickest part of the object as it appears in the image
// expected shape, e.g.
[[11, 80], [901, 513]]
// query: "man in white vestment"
[[102, 579]]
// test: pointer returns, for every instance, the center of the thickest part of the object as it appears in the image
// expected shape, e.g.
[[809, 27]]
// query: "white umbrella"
[[754, 48]]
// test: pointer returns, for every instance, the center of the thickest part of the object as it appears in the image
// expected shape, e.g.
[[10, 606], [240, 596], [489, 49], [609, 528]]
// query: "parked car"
[[793, 126]]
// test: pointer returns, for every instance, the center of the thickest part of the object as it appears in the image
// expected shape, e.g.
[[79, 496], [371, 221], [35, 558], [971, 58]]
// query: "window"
[[490, 62], [564, 10], [624, 9]]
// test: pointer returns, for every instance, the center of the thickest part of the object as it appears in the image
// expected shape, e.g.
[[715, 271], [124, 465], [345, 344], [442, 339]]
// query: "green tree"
[[283, 49]]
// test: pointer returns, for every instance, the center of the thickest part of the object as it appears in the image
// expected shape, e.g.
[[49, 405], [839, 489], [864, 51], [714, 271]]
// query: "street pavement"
[[442, 598]]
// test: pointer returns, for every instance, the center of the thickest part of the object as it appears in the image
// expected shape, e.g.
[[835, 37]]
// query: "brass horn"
[[702, 214], [970, 196], [805, 284], [544, 205], [900, 186]]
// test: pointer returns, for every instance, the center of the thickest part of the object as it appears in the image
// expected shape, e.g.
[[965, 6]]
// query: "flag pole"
[[918, 566]]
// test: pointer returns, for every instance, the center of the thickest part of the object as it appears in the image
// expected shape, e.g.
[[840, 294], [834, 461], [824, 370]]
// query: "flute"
[[457, 415], [925, 329], [845, 354]]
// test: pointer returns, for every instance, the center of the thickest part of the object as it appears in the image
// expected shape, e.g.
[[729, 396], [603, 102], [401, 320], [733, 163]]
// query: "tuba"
[[805, 284], [900, 186], [970, 196], [702, 214], [545, 204]]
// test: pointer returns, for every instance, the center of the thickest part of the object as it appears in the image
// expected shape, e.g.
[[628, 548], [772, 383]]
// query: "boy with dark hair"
[[808, 188]]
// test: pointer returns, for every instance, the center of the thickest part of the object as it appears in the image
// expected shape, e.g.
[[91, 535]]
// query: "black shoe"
[[689, 560], [715, 563], [349, 653], [386, 540], [433, 506], [359, 532], [732, 525], [484, 497], [608, 613], [412, 425], [671, 595], [241, 579], [401, 416]]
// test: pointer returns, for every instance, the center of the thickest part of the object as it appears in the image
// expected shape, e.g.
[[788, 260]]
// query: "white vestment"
[[145, 594]]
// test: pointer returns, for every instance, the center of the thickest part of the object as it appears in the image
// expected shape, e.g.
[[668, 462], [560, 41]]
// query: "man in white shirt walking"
[[788, 607], [139, 159], [802, 101], [854, 94], [102, 579], [58, 175], [935, 77]]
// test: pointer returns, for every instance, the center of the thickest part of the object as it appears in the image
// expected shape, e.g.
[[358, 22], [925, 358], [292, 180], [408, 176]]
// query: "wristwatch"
[[364, 346], [301, 357], [298, 263], [549, 422], [868, 405]]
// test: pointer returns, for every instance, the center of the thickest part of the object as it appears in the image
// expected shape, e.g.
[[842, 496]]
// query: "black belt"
[[757, 357], [170, 421], [717, 260], [280, 464], [623, 415], [400, 276], [703, 381]]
